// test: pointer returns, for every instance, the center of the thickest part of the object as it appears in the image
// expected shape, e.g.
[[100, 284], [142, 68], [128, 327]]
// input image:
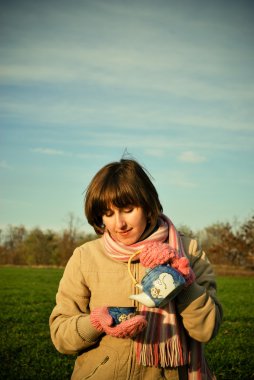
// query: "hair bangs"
[[118, 193]]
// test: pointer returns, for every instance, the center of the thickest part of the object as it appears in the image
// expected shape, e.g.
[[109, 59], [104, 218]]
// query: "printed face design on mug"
[[163, 285], [124, 317], [125, 225]]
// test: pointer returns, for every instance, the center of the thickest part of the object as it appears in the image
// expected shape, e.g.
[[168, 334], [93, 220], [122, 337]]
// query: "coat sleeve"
[[70, 327], [197, 304]]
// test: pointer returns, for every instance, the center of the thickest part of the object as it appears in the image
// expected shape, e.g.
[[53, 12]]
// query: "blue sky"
[[170, 81]]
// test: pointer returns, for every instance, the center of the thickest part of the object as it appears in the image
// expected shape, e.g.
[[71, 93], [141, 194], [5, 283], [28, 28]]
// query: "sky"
[[170, 82]]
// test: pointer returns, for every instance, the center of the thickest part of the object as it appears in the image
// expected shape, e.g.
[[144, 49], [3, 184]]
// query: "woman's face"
[[125, 225]]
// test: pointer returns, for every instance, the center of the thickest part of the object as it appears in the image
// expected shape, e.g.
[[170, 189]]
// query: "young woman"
[[166, 342]]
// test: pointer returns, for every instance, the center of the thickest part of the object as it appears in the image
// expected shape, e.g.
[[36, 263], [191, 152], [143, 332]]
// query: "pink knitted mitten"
[[182, 265], [156, 253], [102, 321], [100, 317]]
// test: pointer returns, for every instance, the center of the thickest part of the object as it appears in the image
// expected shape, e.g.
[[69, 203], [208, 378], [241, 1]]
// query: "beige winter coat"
[[91, 279]]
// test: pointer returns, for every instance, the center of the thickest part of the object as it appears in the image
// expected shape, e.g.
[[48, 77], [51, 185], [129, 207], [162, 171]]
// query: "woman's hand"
[[182, 265], [102, 321], [156, 253]]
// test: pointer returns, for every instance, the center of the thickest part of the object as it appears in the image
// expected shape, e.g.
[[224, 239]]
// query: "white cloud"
[[166, 74], [50, 152], [191, 157], [56, 152], [127, 115], [35, 73]]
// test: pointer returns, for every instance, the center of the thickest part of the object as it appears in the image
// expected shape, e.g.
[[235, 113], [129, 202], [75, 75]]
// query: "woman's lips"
[[123, 233]]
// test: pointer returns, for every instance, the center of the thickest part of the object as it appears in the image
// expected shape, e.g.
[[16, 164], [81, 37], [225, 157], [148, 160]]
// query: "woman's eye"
[[108, 213], [129, 209]]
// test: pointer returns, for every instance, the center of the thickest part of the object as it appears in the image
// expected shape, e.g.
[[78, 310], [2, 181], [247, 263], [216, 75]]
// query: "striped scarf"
[[164, 342]]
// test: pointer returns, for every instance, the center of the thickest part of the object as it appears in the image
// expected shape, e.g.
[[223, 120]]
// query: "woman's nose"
[[120, 220]]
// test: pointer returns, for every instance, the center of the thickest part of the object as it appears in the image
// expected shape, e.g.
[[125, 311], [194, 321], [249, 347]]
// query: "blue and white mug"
[[159, 286], [121, 314]]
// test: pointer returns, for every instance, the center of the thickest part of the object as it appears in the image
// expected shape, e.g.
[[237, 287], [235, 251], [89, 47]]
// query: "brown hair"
[[121, 184]]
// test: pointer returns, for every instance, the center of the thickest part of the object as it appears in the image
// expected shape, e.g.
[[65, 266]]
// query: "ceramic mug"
[[121, 314], [159, 286]]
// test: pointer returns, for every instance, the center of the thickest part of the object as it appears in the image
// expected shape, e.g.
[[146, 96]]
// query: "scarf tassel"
[[164, 354]]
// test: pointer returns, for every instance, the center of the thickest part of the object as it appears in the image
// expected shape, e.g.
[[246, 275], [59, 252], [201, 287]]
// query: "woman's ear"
[[149, 220]]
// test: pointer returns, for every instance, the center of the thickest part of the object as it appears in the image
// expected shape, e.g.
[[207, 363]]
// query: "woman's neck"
[[150, 229]]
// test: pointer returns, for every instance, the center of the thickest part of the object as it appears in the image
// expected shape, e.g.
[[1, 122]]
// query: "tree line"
[[223, 243]]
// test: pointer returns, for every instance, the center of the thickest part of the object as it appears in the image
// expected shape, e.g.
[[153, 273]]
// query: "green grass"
[[27, 299], [231, 353], [27, 296]]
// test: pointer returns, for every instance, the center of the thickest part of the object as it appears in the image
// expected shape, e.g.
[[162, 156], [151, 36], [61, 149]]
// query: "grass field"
[[27, 297]]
